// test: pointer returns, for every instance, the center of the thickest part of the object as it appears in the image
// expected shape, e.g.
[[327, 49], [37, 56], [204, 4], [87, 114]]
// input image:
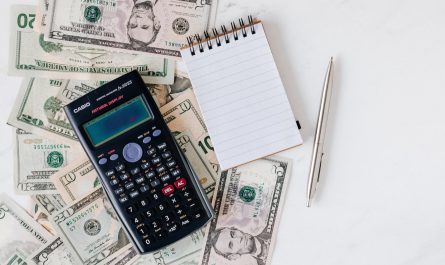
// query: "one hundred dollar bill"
[[32, 56], [183, 115], [90, 229], [37, 158], [76, 180], [18, 232], [151, 26], [39, 105], [248, 203]]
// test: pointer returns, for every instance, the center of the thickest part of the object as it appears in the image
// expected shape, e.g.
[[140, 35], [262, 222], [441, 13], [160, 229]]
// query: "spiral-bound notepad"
[[241, 96]]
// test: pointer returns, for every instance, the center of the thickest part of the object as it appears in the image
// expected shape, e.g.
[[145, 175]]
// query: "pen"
[[317, 151]]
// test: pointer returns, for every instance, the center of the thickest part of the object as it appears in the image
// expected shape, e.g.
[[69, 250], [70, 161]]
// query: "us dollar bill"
[[52, 253], [37, 158], [207, 176], [166, 93], [184, 252], [183, 114], [257, 190], [17, 258], [38, 108], [90, 229], [150, 26], [49, 203], [32, 56], [18, 231], [76, 180]]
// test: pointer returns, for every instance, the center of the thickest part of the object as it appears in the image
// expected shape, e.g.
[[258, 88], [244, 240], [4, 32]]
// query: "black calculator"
[[144, 173]]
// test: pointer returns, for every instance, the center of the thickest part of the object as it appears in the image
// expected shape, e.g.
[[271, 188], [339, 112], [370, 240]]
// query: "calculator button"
[[114, 157], [149, 213], [146, 140], [120, 167], [150, 174], [144, 188], [155, 224], [161, 146], [180, 183], [151, 151], [132, 152], [145, 165], [192, 205], [137, 220], [166, 217], [171, 163], [160, 234], [184, 222], [173, 228], [129, 185], [109, 173], [103, 161], [135, 170], [114, 182], [134, 194], [148, 241], [160, 169], [139, 180], [143, 202], [142, 230], [161, 207], [197, 215], [123, 199], [180, 212], [131, 209], [155, 183], [156, 133], [155, 196], [156, 160], [166, 155], [167, 190], [165, 178], [174, 200], [176, 172], [124, 176], [119, 190]]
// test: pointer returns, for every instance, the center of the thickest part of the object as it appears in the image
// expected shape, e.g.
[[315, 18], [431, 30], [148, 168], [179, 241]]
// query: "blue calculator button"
[[146, 140], [132, 152], [114, 157], [102, 161], [156, 133]]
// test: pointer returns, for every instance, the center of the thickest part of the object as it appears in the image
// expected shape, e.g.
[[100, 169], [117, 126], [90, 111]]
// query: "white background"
[[381, 199]]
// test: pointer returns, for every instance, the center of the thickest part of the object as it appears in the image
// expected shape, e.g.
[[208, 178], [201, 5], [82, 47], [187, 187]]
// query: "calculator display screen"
[[117, 121]]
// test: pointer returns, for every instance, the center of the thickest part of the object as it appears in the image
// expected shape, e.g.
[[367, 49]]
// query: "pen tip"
[[308, 203]]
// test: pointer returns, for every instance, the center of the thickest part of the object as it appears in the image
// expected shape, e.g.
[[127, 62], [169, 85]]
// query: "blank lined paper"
[[242, 98]]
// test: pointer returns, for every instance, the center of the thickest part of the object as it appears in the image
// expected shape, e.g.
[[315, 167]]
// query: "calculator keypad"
[[148, 182]]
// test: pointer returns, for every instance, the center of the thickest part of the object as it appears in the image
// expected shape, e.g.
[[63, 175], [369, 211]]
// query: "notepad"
[[240, 93]]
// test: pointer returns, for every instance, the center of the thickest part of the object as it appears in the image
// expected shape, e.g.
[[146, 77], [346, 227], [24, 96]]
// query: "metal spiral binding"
[[216, 36]]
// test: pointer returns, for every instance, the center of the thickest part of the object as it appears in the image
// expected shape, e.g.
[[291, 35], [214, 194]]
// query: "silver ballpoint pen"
[[317, 152]]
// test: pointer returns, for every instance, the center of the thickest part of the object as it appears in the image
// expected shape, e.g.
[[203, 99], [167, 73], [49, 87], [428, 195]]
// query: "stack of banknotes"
[[63, 50]]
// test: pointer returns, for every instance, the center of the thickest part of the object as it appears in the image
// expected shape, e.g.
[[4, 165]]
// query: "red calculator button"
[[180, 183], [167, 190]]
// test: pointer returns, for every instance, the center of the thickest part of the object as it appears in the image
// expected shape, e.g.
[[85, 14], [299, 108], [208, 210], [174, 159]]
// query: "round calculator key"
[[146, 140], [103, 161], [114, 157], [132, 152], [156, 133], [148, 241]]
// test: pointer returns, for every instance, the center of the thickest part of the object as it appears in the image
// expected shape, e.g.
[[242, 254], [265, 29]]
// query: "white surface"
[[381, 199], [242, 98]]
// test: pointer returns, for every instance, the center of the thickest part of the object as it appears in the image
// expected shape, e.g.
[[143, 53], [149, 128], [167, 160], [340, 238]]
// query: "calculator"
[[147, 178]]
